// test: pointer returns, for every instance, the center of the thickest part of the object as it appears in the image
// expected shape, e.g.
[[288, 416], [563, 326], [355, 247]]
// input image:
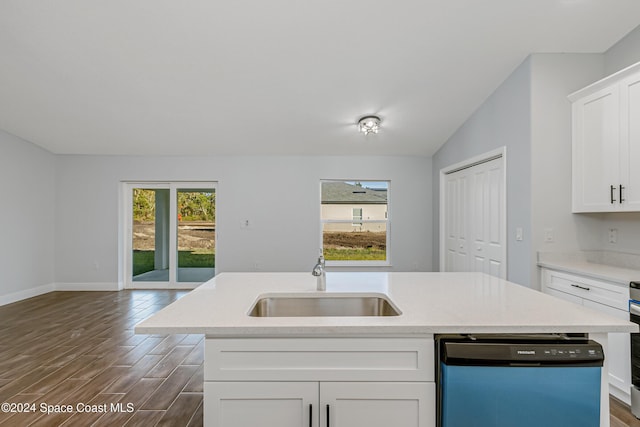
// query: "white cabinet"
[[609, 298], [606, 144], [312, 404], [376, 404], [349, 382], [596, 151], [282, 404], [630, 142]]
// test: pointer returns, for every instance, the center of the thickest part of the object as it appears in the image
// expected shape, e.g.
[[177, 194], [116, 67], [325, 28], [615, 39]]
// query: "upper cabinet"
[[606, 144]]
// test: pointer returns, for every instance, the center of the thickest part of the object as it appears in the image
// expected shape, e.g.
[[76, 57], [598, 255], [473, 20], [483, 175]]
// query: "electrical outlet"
[[548, 235], [245, 224], [613, 235]]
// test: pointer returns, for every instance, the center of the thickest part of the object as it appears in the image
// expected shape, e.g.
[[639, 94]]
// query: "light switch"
[[519, 234]]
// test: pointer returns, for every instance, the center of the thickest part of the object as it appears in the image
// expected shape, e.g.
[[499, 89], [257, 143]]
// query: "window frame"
[[350, 221]]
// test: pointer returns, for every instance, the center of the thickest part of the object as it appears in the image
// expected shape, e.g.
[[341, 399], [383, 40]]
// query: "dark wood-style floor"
[[78, 348]]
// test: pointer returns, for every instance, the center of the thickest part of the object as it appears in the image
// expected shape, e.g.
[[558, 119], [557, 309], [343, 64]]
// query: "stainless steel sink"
[[324, 305]]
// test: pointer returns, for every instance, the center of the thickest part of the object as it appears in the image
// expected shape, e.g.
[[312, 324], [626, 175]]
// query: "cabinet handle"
[[621, 198], [310, 415], [328, 416], [611, 193], [581, 287]]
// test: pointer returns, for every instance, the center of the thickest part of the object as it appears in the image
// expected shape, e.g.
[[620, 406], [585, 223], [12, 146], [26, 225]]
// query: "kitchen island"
[[294, 369]]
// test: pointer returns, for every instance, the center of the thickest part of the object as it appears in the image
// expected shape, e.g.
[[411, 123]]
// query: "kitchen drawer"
[[594, 290], [319, 359]]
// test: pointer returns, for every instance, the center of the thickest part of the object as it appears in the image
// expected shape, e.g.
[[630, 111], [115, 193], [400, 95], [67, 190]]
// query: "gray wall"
[[61, 213], [279, 195], [554, 76], [530, 115], [623, 54], [27, 175], [502, 120]]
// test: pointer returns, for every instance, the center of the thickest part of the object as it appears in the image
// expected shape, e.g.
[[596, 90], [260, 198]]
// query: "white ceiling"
[[207, 77]]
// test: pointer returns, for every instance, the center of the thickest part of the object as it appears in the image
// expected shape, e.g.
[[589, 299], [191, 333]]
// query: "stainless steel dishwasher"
[[518, 380]]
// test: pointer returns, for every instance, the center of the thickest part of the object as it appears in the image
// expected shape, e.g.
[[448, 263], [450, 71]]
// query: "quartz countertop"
[[429, 302], [581, 264]]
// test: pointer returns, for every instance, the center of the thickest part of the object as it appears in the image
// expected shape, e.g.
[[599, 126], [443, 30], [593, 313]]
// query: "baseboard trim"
[[97, 286], [620, 394], [27, 293]]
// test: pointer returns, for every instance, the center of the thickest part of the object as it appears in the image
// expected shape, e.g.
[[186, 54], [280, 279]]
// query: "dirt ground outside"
[[355, 240], [192, 236], [201, 236]]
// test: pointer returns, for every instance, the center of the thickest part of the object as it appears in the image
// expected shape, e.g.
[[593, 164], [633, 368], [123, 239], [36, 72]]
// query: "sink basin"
[[323, 305]]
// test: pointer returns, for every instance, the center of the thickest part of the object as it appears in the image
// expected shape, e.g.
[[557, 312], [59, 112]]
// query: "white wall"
[[502, 120], [27, 175], [279, 195]]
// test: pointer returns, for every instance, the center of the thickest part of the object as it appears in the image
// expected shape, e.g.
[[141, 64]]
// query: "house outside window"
[[355, 222]]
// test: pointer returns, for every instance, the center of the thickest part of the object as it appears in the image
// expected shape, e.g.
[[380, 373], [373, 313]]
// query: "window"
[[355, 222], [357, 217]]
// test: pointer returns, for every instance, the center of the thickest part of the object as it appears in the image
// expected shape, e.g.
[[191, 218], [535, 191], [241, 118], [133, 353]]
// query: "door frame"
[[125, 267], [470, 162]]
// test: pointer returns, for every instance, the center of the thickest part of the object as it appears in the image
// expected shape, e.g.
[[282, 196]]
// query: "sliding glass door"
[[170, 234]]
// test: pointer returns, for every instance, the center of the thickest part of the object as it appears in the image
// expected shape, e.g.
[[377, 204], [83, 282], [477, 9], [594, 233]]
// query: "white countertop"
[[617, 275], [430, 303]]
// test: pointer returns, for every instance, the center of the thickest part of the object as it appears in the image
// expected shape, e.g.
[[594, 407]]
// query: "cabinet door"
[[377, 404], [596, 151], [619, 357], [630, 142], [249, 404]]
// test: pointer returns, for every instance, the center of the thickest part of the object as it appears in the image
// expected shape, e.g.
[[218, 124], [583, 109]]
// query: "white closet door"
[[474, 219], [486, 218], [457, 207]]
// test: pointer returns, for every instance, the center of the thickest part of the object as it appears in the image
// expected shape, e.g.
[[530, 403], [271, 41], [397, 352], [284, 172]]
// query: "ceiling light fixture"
[[369, 124]]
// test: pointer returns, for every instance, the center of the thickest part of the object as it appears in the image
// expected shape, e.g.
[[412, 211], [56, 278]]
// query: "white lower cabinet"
[[282, 404], [319, 382], [313, 404], [609, 298], [377, 404]]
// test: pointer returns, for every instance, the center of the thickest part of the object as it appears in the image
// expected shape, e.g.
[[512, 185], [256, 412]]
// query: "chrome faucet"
[[318, 271]]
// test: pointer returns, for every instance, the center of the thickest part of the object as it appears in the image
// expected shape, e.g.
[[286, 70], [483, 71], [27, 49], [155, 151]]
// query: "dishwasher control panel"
[[550, 352], [478, 352]]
